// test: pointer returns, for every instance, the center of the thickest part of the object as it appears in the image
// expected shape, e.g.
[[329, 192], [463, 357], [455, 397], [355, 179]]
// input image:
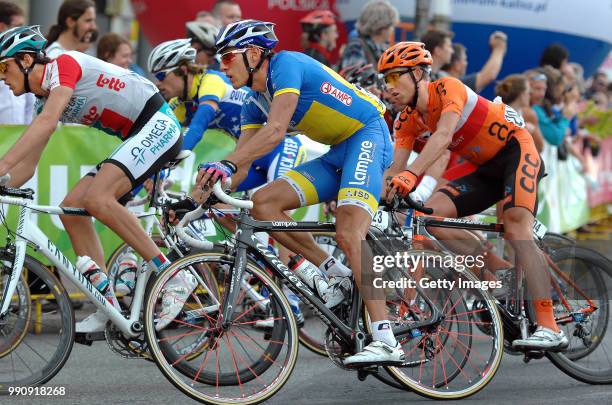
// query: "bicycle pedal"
[[88, 338], [363, 372], [533, 354]]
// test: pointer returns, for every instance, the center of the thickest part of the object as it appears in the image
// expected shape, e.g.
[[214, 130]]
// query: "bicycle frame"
[[516, 315], [27, 232], [245, 239]]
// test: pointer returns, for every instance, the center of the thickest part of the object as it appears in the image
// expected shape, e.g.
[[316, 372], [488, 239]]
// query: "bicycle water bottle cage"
[[27, 193]]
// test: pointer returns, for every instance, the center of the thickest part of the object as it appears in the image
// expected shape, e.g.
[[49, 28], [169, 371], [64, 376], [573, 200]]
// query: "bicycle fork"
[[17, 265]]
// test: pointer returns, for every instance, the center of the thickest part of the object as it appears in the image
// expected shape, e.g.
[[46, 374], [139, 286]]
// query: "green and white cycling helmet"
[[21, 40]]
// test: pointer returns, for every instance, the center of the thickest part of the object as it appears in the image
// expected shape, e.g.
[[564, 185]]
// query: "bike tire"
[[577, 365], [286, 324], [66, 330]]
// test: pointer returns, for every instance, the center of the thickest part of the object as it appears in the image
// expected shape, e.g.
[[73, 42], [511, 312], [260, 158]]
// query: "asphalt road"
[[94, 375]]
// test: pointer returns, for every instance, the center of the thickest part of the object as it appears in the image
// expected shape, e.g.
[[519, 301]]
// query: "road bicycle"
[[580, 282], [241, 365], [28, 358]]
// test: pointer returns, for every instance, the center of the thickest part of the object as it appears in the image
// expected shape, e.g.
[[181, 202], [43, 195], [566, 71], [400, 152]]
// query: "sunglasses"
[[161, 75], [228, 57], [4, 65], [540, 77], [392, 78]]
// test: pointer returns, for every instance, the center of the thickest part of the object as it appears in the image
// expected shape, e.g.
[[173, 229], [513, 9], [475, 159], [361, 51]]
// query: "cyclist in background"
[[292, 90], [447, 114], [203, 99], [202, 35], [78, 88], [320, 35]]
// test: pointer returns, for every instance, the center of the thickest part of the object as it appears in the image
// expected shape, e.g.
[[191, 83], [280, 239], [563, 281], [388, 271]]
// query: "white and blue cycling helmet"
[[247, 33]]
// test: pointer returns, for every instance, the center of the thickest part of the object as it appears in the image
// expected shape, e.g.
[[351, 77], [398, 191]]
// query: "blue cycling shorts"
[[352, 171], [287, 155]]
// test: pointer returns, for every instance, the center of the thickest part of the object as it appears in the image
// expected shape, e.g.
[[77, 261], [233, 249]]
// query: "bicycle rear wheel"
[[457, 356], [582, 311], [241, 364], [32, 351]]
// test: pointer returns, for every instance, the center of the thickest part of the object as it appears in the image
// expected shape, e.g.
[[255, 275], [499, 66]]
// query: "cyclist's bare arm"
[[269, 136], [400, 160], [437, 143], [36, 136]]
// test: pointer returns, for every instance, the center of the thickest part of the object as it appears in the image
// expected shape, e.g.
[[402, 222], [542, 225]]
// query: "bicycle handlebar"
[[418, 206], [228, 199], [406, 202], [198, 212]]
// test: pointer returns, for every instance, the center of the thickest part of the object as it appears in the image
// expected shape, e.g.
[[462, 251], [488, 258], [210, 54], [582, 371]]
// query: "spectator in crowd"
[[207, 17], [320, 35], [13, 110], [578, 76], [557, 107], [597, 117], [555, 55], [202, 35], [479, 80], [439, 44], [514, 91], [537, 86], [75, 30], [599, 83], [116, 49], [227, 12], [374, 28]]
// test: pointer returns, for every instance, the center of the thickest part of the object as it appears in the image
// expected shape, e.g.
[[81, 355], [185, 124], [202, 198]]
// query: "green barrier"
[[70, 154]]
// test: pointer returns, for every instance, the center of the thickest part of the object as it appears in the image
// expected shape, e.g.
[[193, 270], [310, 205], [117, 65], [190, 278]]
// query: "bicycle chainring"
[[128, 348]]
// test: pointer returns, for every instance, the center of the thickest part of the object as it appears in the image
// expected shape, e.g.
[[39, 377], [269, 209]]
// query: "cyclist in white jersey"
[[78, 88]]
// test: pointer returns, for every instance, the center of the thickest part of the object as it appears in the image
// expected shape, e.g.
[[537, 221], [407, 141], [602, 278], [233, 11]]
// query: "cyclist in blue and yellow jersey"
[[293, 91], [204, 99]]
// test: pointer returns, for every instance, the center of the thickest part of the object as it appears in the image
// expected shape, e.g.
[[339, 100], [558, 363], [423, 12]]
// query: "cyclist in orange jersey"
[[446, 114]]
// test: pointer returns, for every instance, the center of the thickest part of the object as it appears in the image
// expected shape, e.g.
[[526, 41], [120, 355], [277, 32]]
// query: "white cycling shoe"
[[338, 290], [377, 353], [95, 322], [175, 293], [543, 339]]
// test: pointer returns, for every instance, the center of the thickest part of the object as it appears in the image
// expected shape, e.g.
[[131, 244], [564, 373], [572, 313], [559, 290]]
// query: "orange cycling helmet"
[[318, 18], [404, 54]]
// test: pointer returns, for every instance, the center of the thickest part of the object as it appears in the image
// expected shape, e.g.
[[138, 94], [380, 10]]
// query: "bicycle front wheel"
[[33, 347], [242, 364]]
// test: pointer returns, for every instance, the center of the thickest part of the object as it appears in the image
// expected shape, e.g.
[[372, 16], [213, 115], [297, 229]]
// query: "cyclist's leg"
[[465, 196], [288, 154], [134, 161], [81, 230], [524, 170], [307, 184]]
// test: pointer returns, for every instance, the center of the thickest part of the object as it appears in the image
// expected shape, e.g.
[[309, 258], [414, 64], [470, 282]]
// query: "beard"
[[87, 37]]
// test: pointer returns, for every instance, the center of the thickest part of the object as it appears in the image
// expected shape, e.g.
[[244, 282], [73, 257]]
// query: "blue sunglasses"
[[161, 75]]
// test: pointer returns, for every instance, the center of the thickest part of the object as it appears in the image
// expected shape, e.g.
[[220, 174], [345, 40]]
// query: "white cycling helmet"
[[202, 32], [170, 54]]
